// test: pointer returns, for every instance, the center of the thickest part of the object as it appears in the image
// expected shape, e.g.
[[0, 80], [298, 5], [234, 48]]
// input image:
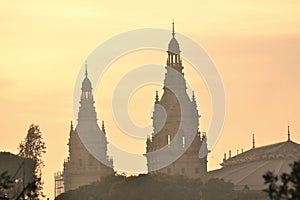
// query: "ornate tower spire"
[[87, 109], [174, 51], [289, 135], [253, 141], [87, 127], [175, 124], [174, 77], [88, 160]]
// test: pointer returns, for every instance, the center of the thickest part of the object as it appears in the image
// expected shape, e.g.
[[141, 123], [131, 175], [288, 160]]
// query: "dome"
[[174, 46], [248, 167], [86, 85]]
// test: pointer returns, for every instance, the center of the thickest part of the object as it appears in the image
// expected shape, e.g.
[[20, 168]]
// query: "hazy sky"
[[254, 44]]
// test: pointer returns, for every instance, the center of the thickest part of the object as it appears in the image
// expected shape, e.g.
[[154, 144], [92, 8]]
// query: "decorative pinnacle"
[[86, 73], [173, 29], [253, 141], [193, 96], [103, 127], [156, 97], [71, 128], [289, 135]]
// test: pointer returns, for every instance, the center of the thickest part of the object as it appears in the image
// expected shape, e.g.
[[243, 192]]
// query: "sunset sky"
[[43, 44]]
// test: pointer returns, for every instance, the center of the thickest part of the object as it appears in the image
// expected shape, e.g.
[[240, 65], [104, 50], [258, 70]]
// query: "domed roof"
[[174, 46], [248, 167], [86, 84]]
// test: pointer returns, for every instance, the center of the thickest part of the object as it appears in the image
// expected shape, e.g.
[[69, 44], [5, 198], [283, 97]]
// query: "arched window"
[[87, 95]]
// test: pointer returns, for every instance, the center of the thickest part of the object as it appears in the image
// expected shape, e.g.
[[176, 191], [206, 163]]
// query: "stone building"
[[87, 145], [246, 169], [175, 139]]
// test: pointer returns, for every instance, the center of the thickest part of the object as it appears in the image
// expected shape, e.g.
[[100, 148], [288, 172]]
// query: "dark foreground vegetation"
[[284, 186], [20, 175], [156, 187]]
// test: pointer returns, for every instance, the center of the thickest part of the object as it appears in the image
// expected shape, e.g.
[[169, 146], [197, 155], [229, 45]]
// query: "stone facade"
[[175, 139]]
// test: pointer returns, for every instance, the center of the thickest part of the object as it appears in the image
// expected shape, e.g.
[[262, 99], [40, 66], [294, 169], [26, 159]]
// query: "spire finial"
[[253, 141], [173, 29], [289, 135], [103, 127], [86, 73], [156, 97]]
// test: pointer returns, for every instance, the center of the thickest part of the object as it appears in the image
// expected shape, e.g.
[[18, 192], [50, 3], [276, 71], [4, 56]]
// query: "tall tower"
[[81, 167], [175, 125]]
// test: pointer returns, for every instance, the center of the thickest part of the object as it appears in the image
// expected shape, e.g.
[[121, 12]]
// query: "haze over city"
[[43, 45]]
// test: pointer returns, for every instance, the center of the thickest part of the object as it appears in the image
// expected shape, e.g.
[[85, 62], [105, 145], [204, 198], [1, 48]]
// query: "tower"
[[81, 167], [175, 125]]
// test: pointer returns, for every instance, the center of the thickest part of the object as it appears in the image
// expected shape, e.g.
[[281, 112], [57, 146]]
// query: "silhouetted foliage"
[[33, 147], [138, 187], [6, 182], [285, 186], [247, 194], [29, 191], [155, 187], [217, 189]]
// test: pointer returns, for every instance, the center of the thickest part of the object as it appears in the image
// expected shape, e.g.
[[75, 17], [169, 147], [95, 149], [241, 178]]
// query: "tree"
[[6, 183], [285, 186], [218, 189], [156, 186], [33, 147]]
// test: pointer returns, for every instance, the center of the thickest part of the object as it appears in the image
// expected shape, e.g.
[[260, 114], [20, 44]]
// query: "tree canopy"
[[156, 187], [33, 147], [6, 183], [284, 186]]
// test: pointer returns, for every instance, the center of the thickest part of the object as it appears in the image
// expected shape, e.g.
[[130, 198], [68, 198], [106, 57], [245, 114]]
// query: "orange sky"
[[255, 46]]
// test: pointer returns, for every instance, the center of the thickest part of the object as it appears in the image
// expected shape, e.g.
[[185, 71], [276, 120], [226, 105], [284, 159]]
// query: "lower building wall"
[[186, 166], [74, 179]]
